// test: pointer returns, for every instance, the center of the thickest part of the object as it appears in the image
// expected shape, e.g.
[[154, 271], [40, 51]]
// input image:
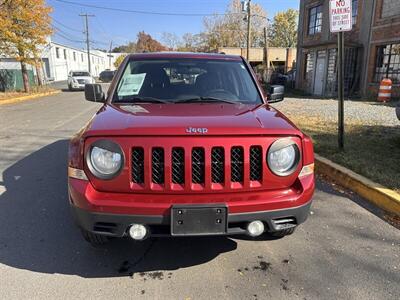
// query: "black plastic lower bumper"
[[116, 225]]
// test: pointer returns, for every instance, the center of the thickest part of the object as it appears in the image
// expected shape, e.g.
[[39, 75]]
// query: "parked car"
[[106, 76], [198, 157], [78, 79]]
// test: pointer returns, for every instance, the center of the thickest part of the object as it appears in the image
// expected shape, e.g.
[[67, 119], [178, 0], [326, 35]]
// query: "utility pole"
[[87, 38], [266, 74], [248, 29], [109, 56]]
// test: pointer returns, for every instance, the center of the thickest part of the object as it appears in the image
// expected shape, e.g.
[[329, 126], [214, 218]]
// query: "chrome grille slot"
[[178, 166], [217, 165], [157, 165], [198, 165], [237, 164], [137, 165], [256, 163]]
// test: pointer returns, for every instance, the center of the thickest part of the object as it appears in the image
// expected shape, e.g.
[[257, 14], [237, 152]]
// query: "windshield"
[[184, 80], [75, 74]]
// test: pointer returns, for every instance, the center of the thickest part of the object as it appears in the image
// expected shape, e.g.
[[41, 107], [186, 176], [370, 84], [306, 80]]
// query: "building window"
[[354, 11], [315, 20], [57, 52], [388, 63], [74, 54], [82, 56], [65, 53]]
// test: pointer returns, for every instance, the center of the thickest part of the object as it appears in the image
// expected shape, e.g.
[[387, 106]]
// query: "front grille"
[[178, 165], [217, 165], [207, 166], [157, 163], [237, 164], [138, 165], [198, 165], [81, 81], [256, 163]]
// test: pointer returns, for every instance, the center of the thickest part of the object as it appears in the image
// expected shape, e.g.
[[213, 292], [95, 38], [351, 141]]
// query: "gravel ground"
[[368, 113]]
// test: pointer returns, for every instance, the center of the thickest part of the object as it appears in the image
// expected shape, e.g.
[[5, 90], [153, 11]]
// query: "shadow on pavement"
[[37, 232]]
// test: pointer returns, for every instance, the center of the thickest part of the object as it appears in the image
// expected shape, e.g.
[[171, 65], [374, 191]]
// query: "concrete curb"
[[28, 97], [375, 193]]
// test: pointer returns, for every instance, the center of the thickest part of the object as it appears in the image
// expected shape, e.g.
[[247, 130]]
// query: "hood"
[[189, 119]]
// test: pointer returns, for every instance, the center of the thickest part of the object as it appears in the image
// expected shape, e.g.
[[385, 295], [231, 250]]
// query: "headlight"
[[283, 157], [105, 159]]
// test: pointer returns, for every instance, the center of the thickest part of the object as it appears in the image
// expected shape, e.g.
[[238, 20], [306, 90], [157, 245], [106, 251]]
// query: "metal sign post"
[[341, 90], [340, 16]]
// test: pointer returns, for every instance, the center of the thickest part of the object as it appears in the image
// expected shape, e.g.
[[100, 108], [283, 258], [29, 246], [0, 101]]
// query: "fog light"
[[138, 232], [255, 228]]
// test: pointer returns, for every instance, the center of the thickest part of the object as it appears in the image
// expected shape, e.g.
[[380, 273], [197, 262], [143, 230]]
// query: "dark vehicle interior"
[[176, 80]]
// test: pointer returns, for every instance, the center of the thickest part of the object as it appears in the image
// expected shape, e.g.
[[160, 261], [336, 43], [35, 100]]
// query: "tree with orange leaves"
[[25, 25]]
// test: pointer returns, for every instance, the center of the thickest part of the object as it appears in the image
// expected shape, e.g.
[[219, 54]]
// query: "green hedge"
[[11, 80]]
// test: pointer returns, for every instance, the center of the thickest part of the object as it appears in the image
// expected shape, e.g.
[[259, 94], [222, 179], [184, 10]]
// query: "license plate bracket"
[[199, 220]]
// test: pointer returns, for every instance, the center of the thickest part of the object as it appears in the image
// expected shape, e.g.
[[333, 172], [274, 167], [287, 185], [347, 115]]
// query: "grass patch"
[[370, 150], [34, 90]]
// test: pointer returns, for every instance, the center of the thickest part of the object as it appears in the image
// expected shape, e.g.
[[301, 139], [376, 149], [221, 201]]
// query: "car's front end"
[[78, 83], [182, 169], [78, 79], [148, 175]]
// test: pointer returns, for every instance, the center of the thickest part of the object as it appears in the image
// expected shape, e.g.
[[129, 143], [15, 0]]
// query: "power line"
[[146, 12], [65, 26], [66, 33], [67, 38]]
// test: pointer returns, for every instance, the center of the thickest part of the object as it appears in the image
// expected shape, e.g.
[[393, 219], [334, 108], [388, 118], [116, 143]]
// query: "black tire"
[[69, 87], [283, 233], [94, 239]]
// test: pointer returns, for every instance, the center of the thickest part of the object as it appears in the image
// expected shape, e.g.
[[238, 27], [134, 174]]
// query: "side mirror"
[[276, 93], [94, 92]]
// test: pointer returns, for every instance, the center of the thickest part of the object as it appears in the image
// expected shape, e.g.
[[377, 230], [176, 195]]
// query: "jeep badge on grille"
[[196, 130]]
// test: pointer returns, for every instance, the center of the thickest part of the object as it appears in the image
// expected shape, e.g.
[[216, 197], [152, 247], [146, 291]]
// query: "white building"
[[59, 59]]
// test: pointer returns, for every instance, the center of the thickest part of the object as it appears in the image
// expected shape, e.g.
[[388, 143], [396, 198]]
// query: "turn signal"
[[77, 173], [307, 170]]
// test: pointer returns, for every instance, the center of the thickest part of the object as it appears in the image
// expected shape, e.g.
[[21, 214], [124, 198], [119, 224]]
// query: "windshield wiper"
[[205, 99], [142, 99]]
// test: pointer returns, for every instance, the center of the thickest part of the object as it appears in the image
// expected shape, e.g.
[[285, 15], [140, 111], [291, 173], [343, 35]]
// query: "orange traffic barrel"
[[385, 90]]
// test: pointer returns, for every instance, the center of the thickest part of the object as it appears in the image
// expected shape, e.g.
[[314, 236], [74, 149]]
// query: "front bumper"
[[112, 213], [116, 225], [78, 86]]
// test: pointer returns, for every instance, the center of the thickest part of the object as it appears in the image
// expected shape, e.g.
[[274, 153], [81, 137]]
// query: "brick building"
[[372, 48]]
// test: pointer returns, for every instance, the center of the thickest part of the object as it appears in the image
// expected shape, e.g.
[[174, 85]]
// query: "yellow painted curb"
[[28, 97], [375, 193]]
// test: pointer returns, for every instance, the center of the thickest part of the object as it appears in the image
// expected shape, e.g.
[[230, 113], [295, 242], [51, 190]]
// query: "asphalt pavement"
[[346, 249]]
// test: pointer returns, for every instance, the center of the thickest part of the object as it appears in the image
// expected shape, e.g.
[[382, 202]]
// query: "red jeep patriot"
[[187, 145]]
